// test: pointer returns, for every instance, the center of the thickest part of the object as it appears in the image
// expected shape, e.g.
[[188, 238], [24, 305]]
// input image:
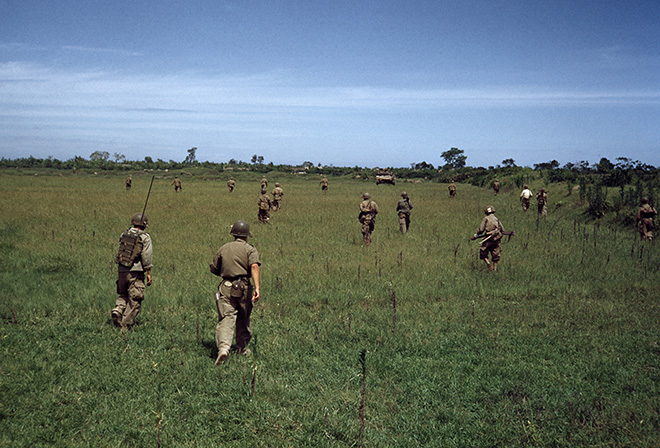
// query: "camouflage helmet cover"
[[240, 228], [139, 220]]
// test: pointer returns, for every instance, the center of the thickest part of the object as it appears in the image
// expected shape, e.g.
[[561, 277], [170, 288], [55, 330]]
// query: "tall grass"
[[406, 342]]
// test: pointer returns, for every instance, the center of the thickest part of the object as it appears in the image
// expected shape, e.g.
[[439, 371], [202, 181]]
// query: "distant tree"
[[191, 158], [307, 164], [232, 162], [552, 165], [260, 159], [454, 158], [119, 157], [604, 166], [148, 160], [508, 163], [99, 156], [254, 159], [421, 166]]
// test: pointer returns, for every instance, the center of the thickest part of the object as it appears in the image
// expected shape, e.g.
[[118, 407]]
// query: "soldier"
[[403, 208], [492, 229], [264, 204], [525, 196], [277, 197], [324, 184], [177, 184], [367, 217], [264, 183], [452, 189], [129, 182], [645, 216], [231, 183], [496, 186], [542, 198], [133, 259], [236, 263]]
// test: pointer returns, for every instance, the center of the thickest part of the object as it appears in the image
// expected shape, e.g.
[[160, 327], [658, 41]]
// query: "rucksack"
[[130, 247]]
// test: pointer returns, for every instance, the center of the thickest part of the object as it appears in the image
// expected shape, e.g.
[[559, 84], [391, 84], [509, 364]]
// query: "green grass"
[[560, 348]]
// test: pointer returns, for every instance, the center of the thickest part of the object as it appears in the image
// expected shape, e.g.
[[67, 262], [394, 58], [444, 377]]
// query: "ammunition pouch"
[[130, 248]]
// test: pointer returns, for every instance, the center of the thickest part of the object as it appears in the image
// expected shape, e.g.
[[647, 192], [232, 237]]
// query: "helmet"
[[525, 186], [139, 220], [404, 195], [277, 184], [490, 209], [645, 200], [366, 196], [240, 228]]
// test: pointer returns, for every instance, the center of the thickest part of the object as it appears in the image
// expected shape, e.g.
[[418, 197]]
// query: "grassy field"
[[407, 342]]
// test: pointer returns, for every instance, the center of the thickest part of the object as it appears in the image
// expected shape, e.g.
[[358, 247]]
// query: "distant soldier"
[[324, 184], [177, 184], [277, 197], [367, 217], [264, 204], [542, 198], [452, 189], [129, 182], [496, 186], [645, 216], [133, 259], [403, 209], [264, 183], [492, 229], [525, 197], [231, 183], [236, 263]]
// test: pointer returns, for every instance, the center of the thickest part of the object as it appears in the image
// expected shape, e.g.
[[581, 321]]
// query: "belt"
[[232, 279]]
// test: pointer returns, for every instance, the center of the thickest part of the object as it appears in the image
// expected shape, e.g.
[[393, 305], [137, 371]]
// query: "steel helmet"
[[277, 184], [366, 196], [139, 220], [404, 195], [240, 228], [645, 200], [490, 209]]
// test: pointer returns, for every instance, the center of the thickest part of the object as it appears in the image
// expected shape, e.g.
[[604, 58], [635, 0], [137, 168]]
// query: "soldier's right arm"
[[216, 265]]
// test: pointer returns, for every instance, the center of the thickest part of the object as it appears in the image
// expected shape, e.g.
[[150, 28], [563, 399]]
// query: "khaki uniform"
[[130, 283], [525, 197], [231, 183], [403, 208], [324, 184], [264, 204], [177, 184], [542, 198], [496, 187], [277, 198], [234, 297], [493, 229], [452, 189], [129, 182], [645, 216], [264, 183], [367, 217]]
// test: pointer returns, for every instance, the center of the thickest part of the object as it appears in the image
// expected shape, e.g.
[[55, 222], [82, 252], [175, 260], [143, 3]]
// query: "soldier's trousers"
[[367, 228], [404, 222], [233, 314], [525, 204], [130, 287], [646, 228]]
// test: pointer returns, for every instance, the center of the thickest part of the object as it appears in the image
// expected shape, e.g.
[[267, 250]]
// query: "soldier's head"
[[404, 195], [366, 196], [645, 200], [240, 229], [277, 184], [525, 186], [490, 209], [139, 221]]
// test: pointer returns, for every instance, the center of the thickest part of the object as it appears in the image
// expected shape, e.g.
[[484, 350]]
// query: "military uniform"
[[525, 197], [645, 216], [236, 263], [264, 183], [367, 217], [277, 197], [452, 189], [177, 184], [542, 198], [496, 186], [129, 182], [231, 183], [264, 204], [324, 184], [130, 282], [403, 209], [492, 228]]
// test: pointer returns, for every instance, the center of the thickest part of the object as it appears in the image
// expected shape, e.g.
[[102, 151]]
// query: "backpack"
[[130, 247]]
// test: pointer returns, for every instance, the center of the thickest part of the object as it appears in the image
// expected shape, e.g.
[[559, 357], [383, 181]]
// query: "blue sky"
[[368, 83]]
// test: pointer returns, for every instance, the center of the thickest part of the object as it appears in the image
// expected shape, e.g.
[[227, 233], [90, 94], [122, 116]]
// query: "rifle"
[[485, 236], [147, 200]]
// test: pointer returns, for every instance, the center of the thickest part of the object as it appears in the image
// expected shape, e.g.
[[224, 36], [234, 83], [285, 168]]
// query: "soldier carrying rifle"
[[367, 217], [491, 231]]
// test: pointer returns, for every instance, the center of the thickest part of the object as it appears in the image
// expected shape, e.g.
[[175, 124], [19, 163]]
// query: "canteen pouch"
[[238, 288]]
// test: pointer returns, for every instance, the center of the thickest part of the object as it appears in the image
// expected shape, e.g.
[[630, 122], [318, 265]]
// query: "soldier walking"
[[277, 197], [403, 209], [525, 197], [236, 262], [177, 184], [492, 229], [129, 182], [134, 259], [324, 184], [645, 216], [231, 183], [496, 186], [452, 189], [264, 204], [542, 198], [264, 183], [367, 217]]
